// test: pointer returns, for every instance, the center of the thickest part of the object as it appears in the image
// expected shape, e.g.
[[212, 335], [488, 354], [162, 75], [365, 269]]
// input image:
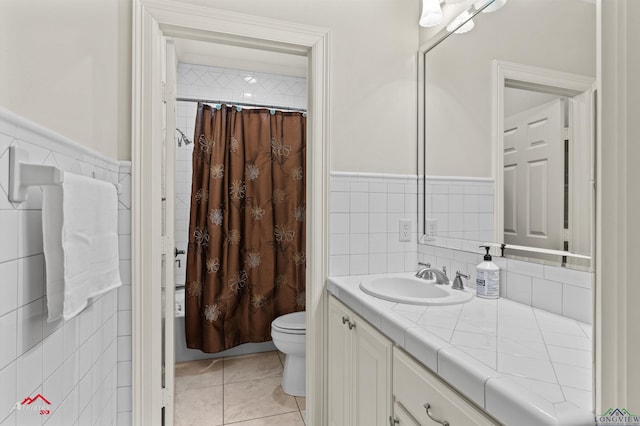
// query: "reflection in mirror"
[[507, 132]]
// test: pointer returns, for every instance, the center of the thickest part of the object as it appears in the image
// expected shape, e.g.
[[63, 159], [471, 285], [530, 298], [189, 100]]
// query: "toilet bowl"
[[289, 334]]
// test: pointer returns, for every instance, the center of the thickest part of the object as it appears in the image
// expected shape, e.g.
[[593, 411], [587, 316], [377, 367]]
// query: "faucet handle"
[[457, 283], [426, 265]]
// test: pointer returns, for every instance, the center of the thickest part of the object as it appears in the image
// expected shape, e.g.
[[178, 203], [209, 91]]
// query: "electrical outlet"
[[405, 230], [431, 229]]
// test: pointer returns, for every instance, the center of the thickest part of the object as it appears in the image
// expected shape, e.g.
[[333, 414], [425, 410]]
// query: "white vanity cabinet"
[[401, 417], [359, 370], [428, 399]]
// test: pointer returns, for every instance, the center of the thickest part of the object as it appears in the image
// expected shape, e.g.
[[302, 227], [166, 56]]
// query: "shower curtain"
[[246, 252]]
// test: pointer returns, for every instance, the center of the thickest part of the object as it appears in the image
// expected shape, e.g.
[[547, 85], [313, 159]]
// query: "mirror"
[[506, 143]]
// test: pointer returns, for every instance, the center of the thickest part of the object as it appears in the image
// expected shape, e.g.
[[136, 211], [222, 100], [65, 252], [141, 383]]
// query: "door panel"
[[533, 177]]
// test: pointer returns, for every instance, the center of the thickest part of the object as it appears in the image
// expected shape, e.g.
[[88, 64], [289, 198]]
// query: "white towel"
[[80, 238]]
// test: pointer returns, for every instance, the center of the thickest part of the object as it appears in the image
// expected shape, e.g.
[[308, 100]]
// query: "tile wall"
[[73, 364], [365, 210], [125, 319], [230, 85], [563, 291], [461, 207]]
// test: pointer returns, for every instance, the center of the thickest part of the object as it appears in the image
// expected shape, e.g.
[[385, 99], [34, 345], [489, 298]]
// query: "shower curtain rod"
[[241, 104]]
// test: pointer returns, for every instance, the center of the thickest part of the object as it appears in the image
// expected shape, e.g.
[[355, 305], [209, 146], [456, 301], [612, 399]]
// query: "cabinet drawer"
[[414, 386]]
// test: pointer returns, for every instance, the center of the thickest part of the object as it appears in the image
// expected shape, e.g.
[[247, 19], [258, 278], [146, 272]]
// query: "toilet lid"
[[293, 321]]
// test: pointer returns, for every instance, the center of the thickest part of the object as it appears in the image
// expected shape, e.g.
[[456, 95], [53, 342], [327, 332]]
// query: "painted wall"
[[66, 65], [373, 76], [459, 74]]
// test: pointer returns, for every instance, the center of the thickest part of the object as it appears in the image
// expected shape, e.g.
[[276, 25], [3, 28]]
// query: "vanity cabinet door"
[[426, 397], [401, 417], [339, 364], [373, 376], [359, 370]]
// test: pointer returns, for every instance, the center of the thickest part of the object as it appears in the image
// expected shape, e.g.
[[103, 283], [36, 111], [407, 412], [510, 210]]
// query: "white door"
[[534, 177], [168, 234], [372, 381]]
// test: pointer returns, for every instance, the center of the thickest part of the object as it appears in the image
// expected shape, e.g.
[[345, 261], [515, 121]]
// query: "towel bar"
[[22, 175]]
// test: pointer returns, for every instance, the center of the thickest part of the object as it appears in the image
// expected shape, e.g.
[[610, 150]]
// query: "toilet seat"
[[293, 323]]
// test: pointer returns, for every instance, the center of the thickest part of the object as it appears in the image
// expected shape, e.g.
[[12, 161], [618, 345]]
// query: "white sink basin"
[[415, 291]]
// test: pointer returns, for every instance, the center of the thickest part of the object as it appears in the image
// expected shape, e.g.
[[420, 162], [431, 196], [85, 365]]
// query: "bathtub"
[[185, 354]]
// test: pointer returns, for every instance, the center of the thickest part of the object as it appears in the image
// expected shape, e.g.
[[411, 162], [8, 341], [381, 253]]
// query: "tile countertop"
[[521, 364]]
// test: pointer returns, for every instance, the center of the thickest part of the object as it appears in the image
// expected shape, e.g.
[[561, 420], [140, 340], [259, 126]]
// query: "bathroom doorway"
[[153, 25], [242, 383]]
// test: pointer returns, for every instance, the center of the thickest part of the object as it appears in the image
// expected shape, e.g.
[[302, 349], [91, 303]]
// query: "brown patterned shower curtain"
[[246, 253]]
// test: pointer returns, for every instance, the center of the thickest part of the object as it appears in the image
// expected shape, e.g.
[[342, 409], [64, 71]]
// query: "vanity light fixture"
[[495, 5], [431, 13], [468, 26]]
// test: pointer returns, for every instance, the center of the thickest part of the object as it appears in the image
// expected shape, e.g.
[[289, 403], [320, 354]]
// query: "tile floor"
[[241, 391]]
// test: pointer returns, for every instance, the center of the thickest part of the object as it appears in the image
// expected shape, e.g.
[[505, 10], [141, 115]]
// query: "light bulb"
[[431, 13], [464, 16]]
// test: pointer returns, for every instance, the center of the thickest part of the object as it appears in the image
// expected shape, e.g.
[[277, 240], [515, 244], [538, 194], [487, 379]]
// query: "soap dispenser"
[[488, 278]]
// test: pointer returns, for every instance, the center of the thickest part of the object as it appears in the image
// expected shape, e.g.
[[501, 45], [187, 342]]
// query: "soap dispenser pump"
[[487, 278]]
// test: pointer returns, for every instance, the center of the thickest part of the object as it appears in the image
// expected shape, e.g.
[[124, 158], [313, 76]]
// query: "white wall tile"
[[8, 335], [29, 232], [339, 202], [8, 287], [53, 348], [358, 264], [378, 222], [378, 203], [52, 390], [378, 244], [569, 276], [547, 295], [378, 263], [30, 370], [339, 244], [9, 232], [339, 265], [358, 243], [30, 279], [395, 262], [8, 390], [525, 268], [30, 322], [339, 223], [359, 223], [359, 202], [577, 303], [395, 203], [519, 287]]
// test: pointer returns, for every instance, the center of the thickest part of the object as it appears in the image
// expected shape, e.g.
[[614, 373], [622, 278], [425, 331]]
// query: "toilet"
[[289, 334]]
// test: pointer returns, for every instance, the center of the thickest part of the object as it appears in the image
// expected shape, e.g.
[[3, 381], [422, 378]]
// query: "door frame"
[[525, 75], [153, 20]]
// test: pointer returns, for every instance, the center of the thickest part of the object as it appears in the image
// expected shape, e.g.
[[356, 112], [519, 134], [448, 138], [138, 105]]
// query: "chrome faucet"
[[457, 282], [423, 272], [428, 271]]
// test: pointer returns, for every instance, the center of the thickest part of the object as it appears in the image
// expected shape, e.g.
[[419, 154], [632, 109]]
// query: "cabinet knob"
[[345, 320], [427, 407], [352, 325], [393, 421]]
